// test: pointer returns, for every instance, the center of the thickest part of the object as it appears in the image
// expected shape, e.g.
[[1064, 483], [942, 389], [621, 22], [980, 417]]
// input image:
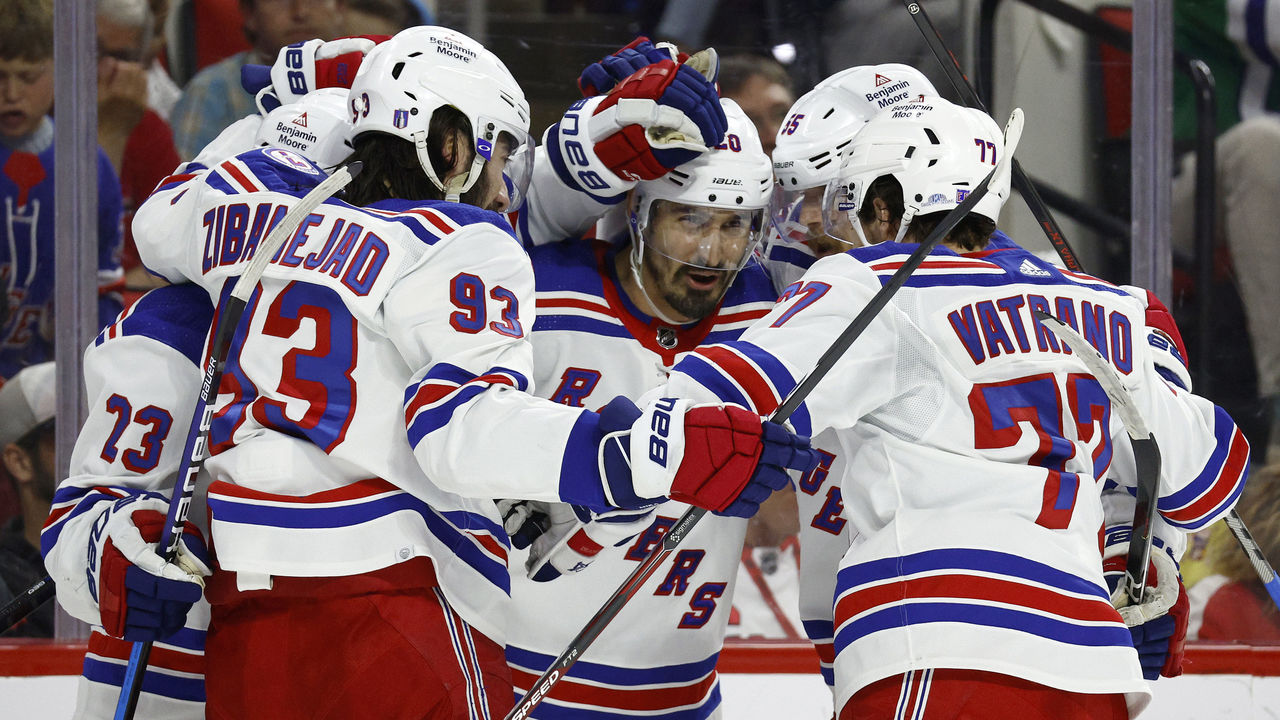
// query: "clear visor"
[[703, 237], [513, 153], [840, 213], [796, 215]]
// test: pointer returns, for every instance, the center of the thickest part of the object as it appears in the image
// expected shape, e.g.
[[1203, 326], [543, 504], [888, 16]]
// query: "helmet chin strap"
[[458, 184], [907, 216]]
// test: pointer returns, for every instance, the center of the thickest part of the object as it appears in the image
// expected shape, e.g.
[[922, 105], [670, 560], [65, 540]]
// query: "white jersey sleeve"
[[463, 319], [557, 206]]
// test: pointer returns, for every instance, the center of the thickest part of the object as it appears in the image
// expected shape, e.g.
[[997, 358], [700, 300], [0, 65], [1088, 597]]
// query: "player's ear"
[[455, 153]]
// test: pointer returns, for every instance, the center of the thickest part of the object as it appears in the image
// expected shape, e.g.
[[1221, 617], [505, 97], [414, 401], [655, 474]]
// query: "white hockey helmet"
[[316, 127], [937, 151], [735, 175], [814, 140], [402, 82]]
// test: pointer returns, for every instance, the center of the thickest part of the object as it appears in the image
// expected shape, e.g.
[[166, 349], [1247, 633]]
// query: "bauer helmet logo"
[[400, 119]]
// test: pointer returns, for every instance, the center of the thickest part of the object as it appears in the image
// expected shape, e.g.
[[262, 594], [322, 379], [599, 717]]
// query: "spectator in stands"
[[384, 17], [27, 191], [1241, 48], [214, 98], [135, 137], [27, 450], [1240, 609], [162, 91], [762, 88]]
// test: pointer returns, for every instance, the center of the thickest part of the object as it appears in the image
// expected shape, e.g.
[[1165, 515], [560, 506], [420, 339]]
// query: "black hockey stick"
[[560, 667], [25, 603], [1022, 183], [202, 415]]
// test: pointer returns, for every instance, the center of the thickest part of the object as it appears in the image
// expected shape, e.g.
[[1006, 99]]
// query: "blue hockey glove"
[[1159, 625], [140, 596], [600, 77]]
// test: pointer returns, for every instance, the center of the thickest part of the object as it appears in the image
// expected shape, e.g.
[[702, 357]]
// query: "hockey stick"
[[1022, 183], [1133, 422], [1146, 453], [560, 667], [1250, 546], [26, 603], [202, 415]]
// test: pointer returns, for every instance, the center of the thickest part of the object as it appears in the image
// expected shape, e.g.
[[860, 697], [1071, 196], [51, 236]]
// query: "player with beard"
[[613, 317]]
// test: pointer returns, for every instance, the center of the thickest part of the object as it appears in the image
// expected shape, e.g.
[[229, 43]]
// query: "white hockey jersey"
[[142, 380], [369, 321], [658, 658], [976, 446]]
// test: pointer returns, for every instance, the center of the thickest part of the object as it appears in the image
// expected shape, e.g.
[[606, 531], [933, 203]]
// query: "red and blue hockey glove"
[[306, 66], [600, 77], [140, 596], [1159, 624], [719, 457], [1169, 353], [657, 118]]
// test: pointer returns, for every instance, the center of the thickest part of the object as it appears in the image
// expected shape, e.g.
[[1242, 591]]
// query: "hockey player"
[[812, 143], [613, 317], [143, 376], [338, 534], [811, 147], [976, 443]]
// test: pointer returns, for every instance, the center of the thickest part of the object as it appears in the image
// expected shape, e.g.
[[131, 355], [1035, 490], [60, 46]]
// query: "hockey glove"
[[1159, 624], [1169, 352], [576, 536], [719, 457], [657, 118], [140, 596], [600, 77], [306, 66]]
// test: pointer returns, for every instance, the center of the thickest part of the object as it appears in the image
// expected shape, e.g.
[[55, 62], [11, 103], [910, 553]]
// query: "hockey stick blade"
[[202, 417], [1022, 183], [1146, 452], [559, 669], [26, 603]]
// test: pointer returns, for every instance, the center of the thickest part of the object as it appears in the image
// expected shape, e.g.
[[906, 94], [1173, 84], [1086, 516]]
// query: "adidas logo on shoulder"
[[1029, 269]]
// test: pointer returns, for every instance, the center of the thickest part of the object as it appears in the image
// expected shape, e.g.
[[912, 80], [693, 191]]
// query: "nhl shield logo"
[[401, 119]]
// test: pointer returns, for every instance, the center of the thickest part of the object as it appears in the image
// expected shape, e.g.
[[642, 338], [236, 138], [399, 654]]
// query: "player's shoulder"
[[568, 265], [270, 169], [434, 220], [177, 316], [753, 284]]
